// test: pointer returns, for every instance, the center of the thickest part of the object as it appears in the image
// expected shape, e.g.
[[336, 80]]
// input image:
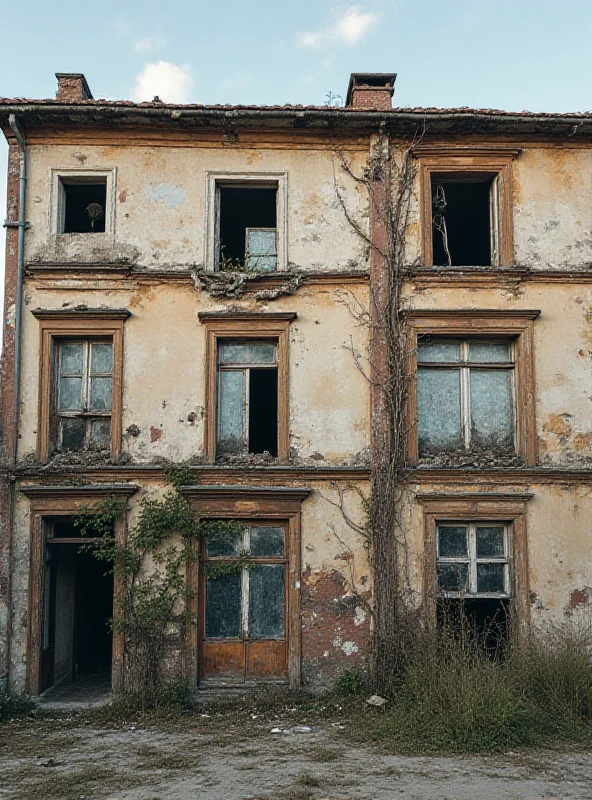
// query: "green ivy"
[[154, 598]]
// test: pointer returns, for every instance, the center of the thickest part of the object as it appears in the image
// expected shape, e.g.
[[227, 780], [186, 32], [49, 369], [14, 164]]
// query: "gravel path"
[[225, 760]]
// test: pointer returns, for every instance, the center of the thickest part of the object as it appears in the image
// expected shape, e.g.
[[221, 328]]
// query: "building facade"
[[192, 285]]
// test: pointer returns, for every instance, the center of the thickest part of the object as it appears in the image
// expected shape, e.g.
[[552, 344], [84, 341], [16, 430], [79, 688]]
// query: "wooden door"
[[243, 605]]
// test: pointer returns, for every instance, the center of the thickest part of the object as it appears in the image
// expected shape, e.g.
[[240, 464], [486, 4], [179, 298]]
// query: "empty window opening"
[[462, 216], [247, 398], [83, 395], [77, 609], [465, 396], [247, 219], [244, 612], [473, 577], [83, 205]]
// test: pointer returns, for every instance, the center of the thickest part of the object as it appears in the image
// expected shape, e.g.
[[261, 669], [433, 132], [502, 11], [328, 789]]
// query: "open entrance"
[[76, 642], [243, 605]]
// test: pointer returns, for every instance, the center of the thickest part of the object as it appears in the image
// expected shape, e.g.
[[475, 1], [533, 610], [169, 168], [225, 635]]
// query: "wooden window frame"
[[248, 504], [472, 560], [461, 163], [515, 326], [59, 325], [246, 326], [248, 180], [48, 502], [495, 507]]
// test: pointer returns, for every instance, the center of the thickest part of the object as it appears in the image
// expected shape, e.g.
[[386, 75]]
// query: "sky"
[[506, 54]]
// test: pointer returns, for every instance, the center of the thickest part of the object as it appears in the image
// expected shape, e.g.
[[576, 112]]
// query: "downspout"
[[18, 302]]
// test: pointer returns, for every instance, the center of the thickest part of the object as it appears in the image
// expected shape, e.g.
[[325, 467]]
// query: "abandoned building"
[[193, 285]]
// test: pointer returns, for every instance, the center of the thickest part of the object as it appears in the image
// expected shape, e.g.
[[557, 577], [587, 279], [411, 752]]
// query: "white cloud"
[[350, 28], [148, 44], [171, 82], [354, 25]]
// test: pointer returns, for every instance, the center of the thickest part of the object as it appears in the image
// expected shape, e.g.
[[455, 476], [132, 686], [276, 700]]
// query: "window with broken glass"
[[83, 395], [247, 377], [472, 560], [248, 602], [465, 396]]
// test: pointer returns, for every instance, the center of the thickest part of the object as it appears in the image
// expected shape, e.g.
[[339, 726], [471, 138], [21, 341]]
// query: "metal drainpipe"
[[18, 302]]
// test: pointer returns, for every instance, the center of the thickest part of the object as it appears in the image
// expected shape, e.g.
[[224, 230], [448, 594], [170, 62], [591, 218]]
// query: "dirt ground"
[[220, 758]]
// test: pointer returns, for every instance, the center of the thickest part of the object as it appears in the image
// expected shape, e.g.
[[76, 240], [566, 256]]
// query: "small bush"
[[351, 682], [15, 707], [170, 697]]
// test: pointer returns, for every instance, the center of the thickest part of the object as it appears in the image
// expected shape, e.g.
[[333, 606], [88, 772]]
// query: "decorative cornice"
[[246, 316], [81, 313], [480, 313], [69, 490], [241, 492], [206, 474], [501, 476], [522, 497], [467, 151]]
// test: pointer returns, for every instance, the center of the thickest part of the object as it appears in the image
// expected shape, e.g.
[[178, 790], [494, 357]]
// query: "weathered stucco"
[[160, 196], [164, 369]]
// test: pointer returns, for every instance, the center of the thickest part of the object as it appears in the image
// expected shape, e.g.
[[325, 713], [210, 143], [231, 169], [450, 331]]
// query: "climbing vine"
[[150, 562], [388, 179]]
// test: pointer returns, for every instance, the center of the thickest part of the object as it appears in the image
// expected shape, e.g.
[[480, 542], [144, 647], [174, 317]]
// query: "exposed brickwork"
[[335, 628], [372, 98], [72, 88]]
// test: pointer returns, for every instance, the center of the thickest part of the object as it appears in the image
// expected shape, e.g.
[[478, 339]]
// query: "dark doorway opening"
[[242, 208], [465, 209], [263, 411], [482, 621], [84, 207], [78, 605]]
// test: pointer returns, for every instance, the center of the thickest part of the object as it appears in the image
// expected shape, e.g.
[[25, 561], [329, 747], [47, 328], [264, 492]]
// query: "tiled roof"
[[463, 110]]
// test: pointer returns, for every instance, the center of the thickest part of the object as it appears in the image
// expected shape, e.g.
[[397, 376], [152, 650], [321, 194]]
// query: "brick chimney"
[[371, 91], [72, 87]]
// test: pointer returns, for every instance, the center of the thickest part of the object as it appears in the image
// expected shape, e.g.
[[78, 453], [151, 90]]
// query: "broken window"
[[83, 202], [247, 398], [84, 373], [473, 576], [464, 220], [246, 227], [245, 608], [465, 396]]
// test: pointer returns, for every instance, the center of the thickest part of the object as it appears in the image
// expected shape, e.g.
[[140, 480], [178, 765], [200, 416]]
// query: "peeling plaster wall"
[[160, 204], [335, 624], [563, 359], [553, 214], [164, 370]]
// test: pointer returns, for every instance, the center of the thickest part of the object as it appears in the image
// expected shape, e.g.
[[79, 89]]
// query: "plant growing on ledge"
[[153, 602]]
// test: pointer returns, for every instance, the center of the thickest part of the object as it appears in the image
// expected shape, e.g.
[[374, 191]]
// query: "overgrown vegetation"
[[15, 707], [150, 562], [454, 697], [396, 614]]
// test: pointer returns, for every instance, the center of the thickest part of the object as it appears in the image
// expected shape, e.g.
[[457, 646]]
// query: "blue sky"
[[509, 54]]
